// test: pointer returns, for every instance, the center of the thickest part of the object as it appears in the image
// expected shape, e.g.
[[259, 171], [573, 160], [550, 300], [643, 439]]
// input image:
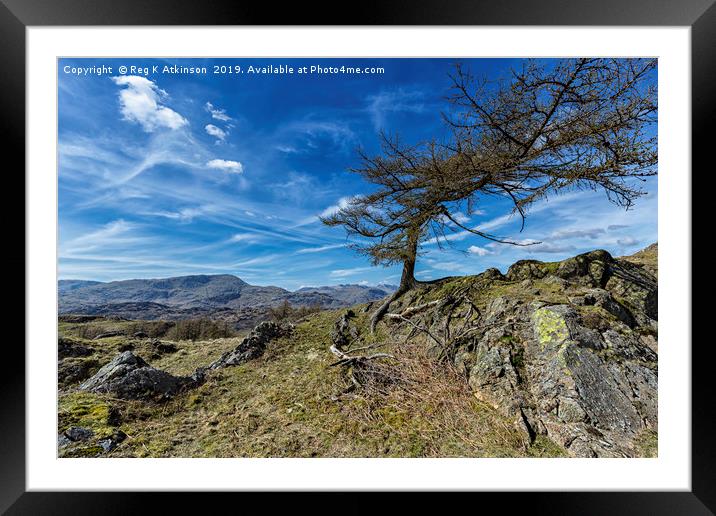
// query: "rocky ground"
[[549, 359]]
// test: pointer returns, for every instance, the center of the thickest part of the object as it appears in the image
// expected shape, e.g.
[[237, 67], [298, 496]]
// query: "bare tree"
[[576, 123]]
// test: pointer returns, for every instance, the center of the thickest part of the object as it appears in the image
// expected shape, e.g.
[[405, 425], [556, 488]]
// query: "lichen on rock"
[[566, 349]]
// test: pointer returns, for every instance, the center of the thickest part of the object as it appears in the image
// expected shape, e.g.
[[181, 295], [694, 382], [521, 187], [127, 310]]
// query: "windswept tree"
[[569, 124]]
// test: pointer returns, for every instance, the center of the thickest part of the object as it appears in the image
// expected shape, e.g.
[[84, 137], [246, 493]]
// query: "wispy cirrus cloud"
[[320, 249], [381, 104], [114, 234], [344, 273]]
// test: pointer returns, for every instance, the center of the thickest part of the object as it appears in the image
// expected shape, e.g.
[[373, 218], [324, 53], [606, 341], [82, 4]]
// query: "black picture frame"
[[17, 15]]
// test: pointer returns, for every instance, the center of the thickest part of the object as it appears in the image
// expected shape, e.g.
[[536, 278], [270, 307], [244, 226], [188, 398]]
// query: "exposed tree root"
[[405, 287], [382, 309], [449, 336], [361, 369]]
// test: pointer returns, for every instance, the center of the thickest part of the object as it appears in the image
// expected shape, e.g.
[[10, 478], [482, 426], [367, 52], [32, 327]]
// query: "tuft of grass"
[[430, 411], [648, 444], [543, 446]]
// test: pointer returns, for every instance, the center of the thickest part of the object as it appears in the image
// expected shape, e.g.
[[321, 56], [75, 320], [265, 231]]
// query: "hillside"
[[201, 295], [549, 359]]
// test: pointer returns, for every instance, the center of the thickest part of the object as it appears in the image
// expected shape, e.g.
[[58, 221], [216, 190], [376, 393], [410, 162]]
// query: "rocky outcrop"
[[74, 370], [567, 349], [253, 345], [129, 377], [70, 348]]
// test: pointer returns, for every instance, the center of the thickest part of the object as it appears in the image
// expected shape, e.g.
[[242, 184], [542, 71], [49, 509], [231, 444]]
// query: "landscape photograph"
[[359, 257]]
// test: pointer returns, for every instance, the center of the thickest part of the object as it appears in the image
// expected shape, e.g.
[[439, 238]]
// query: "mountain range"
[[186, 296]]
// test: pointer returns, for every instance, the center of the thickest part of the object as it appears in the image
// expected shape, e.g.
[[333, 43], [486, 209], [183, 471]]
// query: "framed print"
[[417, 250]]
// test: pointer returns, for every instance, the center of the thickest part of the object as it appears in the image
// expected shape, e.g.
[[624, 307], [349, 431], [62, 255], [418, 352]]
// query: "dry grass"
[[429, 403], [288, 403]]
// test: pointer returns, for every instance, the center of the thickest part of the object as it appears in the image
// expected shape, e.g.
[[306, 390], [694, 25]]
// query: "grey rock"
[[526, 269], [110, 443], [78, 433], [70, 348], [108, 334], [63, 441], [492, 274], [253, 345], [583, 373], [74, 370], [162, 348], [129, 377]]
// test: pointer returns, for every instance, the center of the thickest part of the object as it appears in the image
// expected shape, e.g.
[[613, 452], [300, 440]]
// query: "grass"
[[290, 403]]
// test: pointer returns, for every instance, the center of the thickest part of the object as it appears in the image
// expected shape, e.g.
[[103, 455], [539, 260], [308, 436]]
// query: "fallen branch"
[[346, 359], [360, 370]]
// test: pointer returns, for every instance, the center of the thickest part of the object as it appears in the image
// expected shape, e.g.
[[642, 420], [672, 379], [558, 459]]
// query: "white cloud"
[[216, 132], [453, 266], [577, 233], [628, 241], [460, 217], [226, 165], [546, 247], [320, 249], [343, 202], [183, 215], [118, 234], [479, 251], [385, 102], [244, 237], [342, 273], [307, 135], [217, 113], [259, 260], [109, 230], [140, 102]]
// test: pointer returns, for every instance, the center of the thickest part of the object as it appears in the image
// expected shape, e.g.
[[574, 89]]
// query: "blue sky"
[[171, 174]]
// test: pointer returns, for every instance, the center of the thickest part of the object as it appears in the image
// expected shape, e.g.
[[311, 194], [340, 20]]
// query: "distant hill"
[[199, 295], [64, 286], [349, 294]]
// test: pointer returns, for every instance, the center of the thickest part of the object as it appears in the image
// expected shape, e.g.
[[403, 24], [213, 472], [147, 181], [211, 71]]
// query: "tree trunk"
[[407, 282]]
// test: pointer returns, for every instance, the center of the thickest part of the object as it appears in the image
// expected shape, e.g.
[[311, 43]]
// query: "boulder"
[[253, 345], [129, 377]]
